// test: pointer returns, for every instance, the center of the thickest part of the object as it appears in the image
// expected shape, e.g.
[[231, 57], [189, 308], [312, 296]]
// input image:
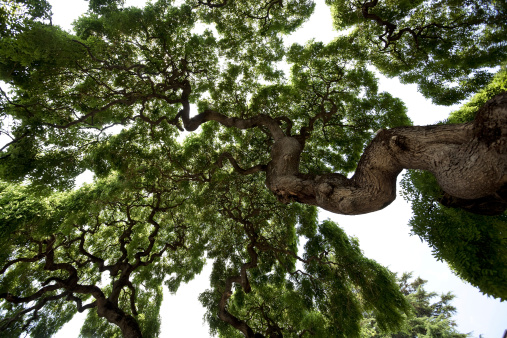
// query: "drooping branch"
[[258, 243], [242, 280]]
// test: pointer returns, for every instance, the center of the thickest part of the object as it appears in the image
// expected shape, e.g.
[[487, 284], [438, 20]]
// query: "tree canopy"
[[264, 150]]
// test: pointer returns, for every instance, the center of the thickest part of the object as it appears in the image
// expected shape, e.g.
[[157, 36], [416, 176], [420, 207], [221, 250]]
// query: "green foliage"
[[326, 296], [444, 46], [467, 112], [105, 6], [15, 15], [427, 319], [80, 225], [473, 245], [328, 78]]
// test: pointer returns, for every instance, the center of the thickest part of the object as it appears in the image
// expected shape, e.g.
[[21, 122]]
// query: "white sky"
[[384, 235]]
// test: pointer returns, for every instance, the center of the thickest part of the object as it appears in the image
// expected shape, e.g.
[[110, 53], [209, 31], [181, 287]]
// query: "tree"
[[114, 98], [428, 319]]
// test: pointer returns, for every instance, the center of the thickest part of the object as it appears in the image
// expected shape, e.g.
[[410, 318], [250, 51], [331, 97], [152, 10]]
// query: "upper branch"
[[390, 35], [260, 120], [192, 123]]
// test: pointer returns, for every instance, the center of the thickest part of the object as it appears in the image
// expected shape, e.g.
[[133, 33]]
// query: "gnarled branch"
[[468, 160]]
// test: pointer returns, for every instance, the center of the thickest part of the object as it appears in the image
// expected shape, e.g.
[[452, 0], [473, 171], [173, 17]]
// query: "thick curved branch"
[[468, 160], [261, 120], [192, 123], [19, 300], [289, 123], [23, 259], [79, 303]]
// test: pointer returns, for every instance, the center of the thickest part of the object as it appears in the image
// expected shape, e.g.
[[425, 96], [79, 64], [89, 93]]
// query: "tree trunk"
[[469, 161], [113, 314]]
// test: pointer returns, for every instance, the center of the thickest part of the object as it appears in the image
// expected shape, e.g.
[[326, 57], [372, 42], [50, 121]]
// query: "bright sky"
[[383, 236]]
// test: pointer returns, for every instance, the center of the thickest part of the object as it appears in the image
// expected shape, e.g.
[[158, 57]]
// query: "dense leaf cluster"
[[444, 46]]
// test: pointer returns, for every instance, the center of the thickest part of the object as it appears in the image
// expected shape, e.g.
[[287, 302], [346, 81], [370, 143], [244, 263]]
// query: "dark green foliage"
[[328, 77], [474, 246], [105, 6], [140, 226], [15, 15], [467, 112], [326, 296]]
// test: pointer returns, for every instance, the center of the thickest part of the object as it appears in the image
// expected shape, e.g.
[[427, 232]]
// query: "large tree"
[[242, 188]]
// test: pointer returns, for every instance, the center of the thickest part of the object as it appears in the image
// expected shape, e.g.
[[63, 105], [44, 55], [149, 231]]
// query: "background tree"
[[428, 319], [113, 99]]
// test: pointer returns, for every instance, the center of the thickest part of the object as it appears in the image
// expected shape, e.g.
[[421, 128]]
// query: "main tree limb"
[[468, 160]]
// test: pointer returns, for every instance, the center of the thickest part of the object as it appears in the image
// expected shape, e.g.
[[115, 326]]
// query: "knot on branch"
[[400, 142]]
